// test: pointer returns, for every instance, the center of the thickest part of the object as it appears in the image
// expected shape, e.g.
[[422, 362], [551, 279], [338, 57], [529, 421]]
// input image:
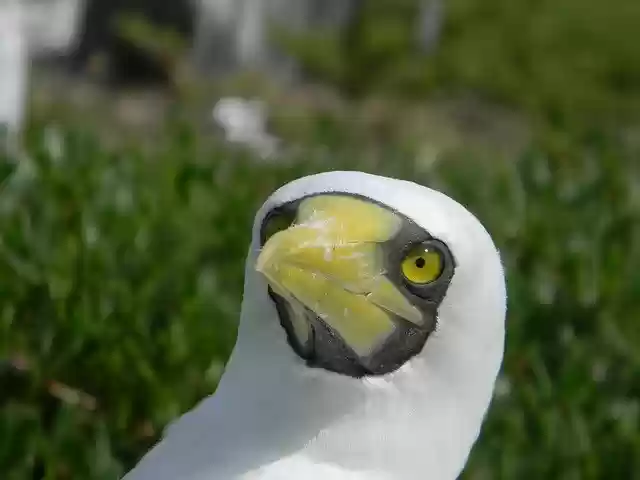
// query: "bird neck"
[[419, 422], [413, 426], [273, 418]]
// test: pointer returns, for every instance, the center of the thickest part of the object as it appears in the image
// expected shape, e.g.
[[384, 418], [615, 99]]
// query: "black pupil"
[[420, 262]]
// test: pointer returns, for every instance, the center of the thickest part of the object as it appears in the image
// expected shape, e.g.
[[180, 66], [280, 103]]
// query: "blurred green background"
[[121, 261]]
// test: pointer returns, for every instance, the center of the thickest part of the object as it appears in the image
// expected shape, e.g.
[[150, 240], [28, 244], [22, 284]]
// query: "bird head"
[[362, 270], [370, 338]]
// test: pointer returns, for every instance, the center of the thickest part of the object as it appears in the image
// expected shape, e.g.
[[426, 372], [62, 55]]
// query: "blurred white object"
[[234, 35], [29, 28], [244, 122], [52, 26], [430, 23], [13, 64]]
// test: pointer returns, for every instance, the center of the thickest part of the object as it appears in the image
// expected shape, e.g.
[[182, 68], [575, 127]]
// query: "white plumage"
[[274, 418]]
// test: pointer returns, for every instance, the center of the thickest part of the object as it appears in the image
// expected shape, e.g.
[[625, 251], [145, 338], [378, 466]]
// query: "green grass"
[[566, 61], [121, 276], [121, 267]]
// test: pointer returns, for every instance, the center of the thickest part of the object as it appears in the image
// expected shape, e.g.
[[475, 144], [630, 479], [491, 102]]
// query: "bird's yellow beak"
[[332, 262]]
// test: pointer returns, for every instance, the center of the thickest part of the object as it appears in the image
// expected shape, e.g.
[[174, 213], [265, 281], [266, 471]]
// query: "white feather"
[[274, 418]]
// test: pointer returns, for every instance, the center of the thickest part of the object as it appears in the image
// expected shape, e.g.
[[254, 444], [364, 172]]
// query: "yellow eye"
[[422, 265]]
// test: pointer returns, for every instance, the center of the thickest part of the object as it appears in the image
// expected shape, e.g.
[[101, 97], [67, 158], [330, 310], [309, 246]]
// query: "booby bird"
[[370, 338]]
